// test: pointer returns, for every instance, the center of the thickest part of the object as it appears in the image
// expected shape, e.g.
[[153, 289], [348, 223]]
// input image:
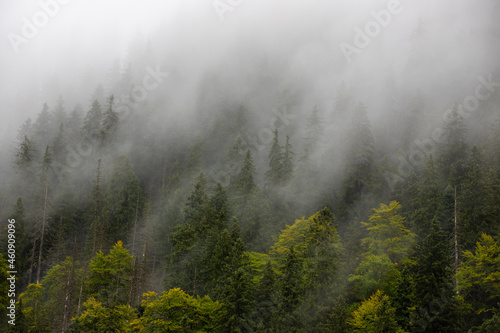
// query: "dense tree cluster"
[[125, 225]]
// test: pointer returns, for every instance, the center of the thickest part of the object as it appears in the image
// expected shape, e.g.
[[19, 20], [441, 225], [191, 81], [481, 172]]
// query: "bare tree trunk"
[[32, 266], [96, 222], [44, 218], [80, 297], [135, 225], [69, 287]]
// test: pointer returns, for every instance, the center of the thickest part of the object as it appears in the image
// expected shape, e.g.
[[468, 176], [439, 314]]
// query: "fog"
[[214, 53]]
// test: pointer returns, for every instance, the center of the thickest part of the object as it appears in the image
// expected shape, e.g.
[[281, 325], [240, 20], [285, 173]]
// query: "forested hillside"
[[253, 199]]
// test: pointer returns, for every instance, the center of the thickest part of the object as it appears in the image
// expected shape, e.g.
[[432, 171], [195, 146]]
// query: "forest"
[[159, 196]]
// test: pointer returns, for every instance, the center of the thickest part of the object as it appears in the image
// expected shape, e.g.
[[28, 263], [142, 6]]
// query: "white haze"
[[298, 40]]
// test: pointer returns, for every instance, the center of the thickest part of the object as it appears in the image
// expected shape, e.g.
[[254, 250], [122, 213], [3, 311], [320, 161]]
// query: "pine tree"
[[245, 180], [265, 299], [26, 130], [110, 121], [454, 149], [111, 275], [43, 126], [120, 200], [275, 173], [314, 132], [291, 291], [218, 210], [476, 202], [404, 297], [434, 287], [359, 165], [92, 121], [25, 155], [59, 114], [45, 166], [59, 145], [96, 237], [288, 165], [196, 203], [427, 199]]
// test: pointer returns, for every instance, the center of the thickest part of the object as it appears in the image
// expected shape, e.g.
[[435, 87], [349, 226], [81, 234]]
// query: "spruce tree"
[[45, 166], [110, 121], [43, 126], [434, 287], [245, 180], [120, 201], [92, 121], [453, 152], [275, 173], [288, 165], [314, 133]]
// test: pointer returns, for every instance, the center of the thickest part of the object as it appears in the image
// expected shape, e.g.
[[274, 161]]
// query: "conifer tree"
[[245, 180], [45, 166], [43, 126], [96, 233], [288, 165], [454, 149], [111, 275], [359, 165], [110, 121], [476, 202], [314, 133], [120, 201], [92, 121], [265, 301], [434, 287], [275, 173], [25, 155], [291, 291]]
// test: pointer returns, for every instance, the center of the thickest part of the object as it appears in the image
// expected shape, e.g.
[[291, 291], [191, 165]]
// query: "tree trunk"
[[44, 218]]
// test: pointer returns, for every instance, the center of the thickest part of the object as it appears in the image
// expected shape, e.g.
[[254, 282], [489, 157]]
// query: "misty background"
[[291, 44]]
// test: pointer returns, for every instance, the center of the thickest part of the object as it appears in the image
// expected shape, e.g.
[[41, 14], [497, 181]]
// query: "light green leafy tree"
[[375, 315], [176, 311]]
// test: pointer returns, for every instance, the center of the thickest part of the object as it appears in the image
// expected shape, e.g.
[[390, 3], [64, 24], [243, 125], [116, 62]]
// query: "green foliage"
[[388, 233], [62, 291], [275, 173], [434, 289], [388, 243], [376, 314], [97, 318], [34, 311], [453, 152], [110, 121], [110, 276], [92, 122], [245, 179], [123, 198], [479, 275], [176, 311]]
